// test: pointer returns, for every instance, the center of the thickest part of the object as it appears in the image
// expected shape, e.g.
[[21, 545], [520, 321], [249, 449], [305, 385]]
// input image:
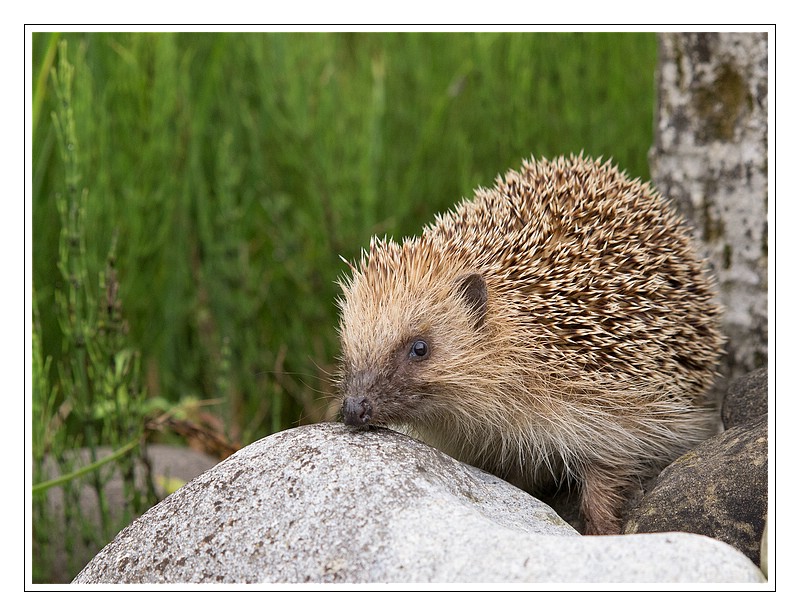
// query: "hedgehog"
[[558, 329]]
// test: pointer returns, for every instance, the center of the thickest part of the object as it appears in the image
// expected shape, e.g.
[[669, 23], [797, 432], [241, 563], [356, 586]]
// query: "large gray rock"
[[325, 504]]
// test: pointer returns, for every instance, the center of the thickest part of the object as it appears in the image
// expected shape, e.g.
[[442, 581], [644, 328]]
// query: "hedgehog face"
[[396, 354]]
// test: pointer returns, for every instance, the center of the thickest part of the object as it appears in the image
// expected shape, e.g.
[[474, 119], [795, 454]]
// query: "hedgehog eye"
[[419, 350]]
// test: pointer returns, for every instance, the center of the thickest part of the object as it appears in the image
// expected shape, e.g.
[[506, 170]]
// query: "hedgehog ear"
[[472, 287]]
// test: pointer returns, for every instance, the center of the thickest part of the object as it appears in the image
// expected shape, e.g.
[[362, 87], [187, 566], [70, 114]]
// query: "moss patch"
[[721, 104]]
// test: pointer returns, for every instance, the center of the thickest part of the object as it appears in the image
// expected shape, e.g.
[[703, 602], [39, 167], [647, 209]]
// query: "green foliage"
[[97, 372], [234, 169]]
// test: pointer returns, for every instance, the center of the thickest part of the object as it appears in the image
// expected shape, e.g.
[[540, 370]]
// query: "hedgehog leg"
[[603, 494]]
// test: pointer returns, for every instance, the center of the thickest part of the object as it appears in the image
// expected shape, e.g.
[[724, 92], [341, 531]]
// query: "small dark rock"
[[718, 489], [746, 399]]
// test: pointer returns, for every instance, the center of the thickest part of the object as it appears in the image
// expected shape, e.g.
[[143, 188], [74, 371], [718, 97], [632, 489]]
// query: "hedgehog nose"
[[356, 410]]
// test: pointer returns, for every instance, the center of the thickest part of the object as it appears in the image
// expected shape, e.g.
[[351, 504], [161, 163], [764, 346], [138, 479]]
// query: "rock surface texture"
[[323, 503], [747, 399]]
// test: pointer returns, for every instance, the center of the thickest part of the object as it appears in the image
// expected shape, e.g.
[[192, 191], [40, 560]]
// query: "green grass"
[[235, 168], [192, 198]]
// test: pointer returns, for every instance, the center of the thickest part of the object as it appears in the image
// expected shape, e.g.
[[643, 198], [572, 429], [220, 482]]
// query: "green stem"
[[41, 80], [46, 485]]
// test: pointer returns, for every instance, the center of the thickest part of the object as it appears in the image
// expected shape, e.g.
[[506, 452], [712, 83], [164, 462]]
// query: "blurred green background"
[[192, 194]]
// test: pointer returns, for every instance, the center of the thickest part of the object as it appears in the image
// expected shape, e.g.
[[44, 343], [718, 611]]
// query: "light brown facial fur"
[[556, 327]]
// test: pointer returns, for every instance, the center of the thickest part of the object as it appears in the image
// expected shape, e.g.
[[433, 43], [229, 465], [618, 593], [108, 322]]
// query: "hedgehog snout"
[[356, 410]]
